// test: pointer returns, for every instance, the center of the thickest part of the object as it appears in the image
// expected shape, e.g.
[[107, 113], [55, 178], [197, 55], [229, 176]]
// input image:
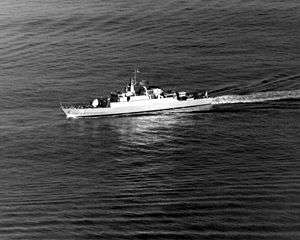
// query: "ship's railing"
[[76, 105], [184, 95], [103, 103]]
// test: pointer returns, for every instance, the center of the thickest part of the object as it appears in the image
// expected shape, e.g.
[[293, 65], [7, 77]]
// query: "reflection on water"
[[145, 130], [140, 130]]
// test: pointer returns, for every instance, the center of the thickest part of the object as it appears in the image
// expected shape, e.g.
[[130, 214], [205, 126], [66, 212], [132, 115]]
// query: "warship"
[[138, 97]]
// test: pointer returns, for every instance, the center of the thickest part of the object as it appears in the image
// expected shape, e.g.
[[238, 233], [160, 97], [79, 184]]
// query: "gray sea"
[[229, 173]]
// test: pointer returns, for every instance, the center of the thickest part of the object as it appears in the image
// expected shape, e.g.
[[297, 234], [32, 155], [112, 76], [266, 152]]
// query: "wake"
[[257, 97]]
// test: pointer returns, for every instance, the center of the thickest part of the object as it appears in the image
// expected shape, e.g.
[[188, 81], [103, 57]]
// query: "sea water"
[[230, 173]]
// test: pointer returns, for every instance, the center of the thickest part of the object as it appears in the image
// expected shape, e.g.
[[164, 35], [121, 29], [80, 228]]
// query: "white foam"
[[257, 97]]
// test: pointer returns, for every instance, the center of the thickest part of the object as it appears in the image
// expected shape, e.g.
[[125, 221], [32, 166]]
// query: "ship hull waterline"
[[139, 107]]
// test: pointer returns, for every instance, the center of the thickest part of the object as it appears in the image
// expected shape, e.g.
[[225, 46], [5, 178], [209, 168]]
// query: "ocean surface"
[[229, 173]]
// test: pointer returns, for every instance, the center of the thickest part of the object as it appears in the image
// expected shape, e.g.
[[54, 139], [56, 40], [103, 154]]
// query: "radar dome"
[[95, 102]]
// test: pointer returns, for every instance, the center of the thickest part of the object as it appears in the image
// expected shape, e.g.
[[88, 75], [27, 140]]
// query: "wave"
[[257, 97], [275, 82]]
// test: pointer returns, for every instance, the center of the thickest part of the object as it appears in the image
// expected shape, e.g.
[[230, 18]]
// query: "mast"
[[133, 80], [136, 70]]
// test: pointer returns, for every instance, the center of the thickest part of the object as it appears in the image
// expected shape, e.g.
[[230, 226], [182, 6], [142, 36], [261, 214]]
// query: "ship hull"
[[136, 107]]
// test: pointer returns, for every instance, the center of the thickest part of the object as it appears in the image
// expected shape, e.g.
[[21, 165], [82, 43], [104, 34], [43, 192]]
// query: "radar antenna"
[[136, 71]]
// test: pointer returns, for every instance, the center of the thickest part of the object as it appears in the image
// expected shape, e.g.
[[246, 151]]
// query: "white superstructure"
[[138, 98]]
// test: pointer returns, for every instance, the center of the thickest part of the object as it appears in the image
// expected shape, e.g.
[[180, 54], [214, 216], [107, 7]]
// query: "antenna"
[[136, 70]]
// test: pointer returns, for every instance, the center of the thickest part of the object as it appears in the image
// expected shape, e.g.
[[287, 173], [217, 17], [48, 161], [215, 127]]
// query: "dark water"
[[231, 173]]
